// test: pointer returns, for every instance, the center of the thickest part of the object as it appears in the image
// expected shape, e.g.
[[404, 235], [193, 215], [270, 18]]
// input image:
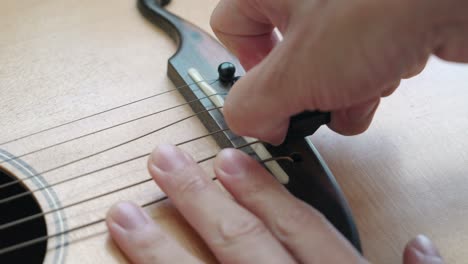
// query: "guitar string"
[[34, 216], [107, 149], [43, 238], [77, 240], [212, 81], [161, 199], [107, 128], [99, 196], [47, 237], [70, 122], [11, 198], [114, 191], [28, 192]]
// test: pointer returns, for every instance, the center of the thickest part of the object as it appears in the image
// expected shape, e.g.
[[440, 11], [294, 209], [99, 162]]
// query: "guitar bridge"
[[309, 179]]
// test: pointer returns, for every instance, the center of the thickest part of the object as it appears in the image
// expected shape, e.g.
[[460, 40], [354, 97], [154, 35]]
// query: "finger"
[[140, 239], [303, 230], [253, 35], [232, 233], [454, 46], [257, 106], [391, 88], [253, 40], [355, 119], [416, 69], [308, 70], [421, 250]]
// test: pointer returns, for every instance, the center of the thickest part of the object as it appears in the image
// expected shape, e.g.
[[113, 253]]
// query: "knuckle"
[[149, 240], [233, 231], [191, 185], [253, 190], [387, 91], [297, 218]]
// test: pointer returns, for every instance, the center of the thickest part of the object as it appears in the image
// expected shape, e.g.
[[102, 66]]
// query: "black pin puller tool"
[[310, 179], [305, 124]]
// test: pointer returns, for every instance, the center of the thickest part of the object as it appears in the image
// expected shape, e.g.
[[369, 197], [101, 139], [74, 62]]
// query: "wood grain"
[[61, 60], [408, 173]]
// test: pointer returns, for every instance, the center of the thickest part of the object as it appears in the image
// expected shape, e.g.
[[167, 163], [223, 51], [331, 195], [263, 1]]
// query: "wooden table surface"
[[408, 174]]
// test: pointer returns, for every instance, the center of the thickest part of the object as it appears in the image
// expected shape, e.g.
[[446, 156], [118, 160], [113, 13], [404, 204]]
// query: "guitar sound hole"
[[14, 210]]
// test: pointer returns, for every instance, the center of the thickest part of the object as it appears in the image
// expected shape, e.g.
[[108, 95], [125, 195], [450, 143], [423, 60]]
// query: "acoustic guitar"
[[87, 91]]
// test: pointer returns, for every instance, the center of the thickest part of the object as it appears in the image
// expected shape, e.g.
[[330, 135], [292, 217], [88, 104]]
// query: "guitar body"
[[62, 60]]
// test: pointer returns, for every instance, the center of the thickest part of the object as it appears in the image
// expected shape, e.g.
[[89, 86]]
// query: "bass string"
[[34, 216], [212, 81], [106, 128], [18, 181], [34, 241]]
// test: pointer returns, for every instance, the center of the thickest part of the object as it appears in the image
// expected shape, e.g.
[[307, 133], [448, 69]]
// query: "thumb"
[[260, 103], [247, 27], [256, 106], [287, 77]]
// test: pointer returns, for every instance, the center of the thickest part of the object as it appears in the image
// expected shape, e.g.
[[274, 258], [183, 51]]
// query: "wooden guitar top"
[[61, 60]]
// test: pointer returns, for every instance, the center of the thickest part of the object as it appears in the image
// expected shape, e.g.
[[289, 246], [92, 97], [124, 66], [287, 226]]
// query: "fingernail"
[[362, 111], [425, 246], [169, 158], [128, 216], [231, 162]]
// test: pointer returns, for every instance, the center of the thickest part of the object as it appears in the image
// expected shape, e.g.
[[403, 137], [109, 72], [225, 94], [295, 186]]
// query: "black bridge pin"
[[227, 71]]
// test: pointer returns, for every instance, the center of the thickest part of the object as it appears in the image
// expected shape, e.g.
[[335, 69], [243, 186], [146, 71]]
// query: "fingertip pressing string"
[[14, 197], [291, 158], [43, 238], [31, 217]]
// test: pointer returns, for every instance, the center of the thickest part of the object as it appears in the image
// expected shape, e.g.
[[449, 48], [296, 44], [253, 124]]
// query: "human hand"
[[339, 56], [264, 223]]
